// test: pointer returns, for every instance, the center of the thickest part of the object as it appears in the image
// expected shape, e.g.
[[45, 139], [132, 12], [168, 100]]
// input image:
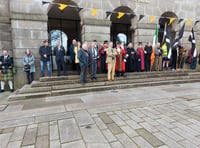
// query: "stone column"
[[93, 29], [5, 29], [28, 31]]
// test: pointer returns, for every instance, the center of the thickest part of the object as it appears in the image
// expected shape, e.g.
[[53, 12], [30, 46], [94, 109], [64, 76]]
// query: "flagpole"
[[164, 33]]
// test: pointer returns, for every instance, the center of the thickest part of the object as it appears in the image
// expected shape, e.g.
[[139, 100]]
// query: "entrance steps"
[[65, 85]]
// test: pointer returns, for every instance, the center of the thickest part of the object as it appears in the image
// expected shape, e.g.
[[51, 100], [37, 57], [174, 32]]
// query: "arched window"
[[122, 37], [58, 35]]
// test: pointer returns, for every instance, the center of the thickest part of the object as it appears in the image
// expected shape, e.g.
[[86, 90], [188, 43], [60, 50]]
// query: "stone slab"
[[42, 142], [4, 138], [30, 137], [18, 133], [83, 118], [74, 144]]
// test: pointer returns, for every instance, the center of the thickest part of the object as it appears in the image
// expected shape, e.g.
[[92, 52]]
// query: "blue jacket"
[[83, 58], [29, 60]]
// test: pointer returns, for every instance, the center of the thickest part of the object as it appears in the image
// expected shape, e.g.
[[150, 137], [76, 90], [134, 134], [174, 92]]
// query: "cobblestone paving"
[[142, 117]]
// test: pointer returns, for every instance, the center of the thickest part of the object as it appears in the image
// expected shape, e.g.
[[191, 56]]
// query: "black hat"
[[105, 42], [94, 40], [45, 41]]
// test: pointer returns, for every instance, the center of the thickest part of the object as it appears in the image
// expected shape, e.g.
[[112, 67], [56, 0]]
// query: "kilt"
[[8, 76]]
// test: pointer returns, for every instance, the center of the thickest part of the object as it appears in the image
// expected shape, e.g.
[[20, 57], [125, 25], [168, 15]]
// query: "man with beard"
[[130, 64]]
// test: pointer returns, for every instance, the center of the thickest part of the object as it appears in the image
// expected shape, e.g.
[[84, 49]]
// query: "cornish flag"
[[192, 40]]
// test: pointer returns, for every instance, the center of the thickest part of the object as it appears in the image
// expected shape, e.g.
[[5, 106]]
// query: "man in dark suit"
[[83, 61], [59, 52], [93, 60]]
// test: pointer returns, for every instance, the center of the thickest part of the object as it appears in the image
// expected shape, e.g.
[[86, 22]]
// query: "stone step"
[[94, 84], [72, 77], [14, 97], [104, 78], [85, 89], [121, 86]]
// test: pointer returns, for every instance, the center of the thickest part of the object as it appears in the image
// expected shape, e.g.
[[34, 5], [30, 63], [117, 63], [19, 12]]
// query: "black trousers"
[[30, 77], [60, 62]]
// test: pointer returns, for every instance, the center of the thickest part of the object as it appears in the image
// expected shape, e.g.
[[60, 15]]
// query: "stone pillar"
[[28, 31], [5, 29], [144, 33], [93, 29]]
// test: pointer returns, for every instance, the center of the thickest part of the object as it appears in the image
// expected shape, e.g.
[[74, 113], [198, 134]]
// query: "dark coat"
[[59, 53], [83, 58], [92, 57], [7, 65], [45, 50]]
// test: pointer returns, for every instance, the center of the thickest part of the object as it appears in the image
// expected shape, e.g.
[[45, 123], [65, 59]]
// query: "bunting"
[[152, 18], [171, 20], [120, 15], [62, 6]]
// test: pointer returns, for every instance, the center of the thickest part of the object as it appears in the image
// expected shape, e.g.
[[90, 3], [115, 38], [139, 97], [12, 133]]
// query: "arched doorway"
[[121, 28], [63, 26], [165, 19], [67, 21]]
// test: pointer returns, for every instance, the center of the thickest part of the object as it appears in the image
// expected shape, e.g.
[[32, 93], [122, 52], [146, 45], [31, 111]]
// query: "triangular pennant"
[[44, 2], [108, 13], [152, 18], [132, 16], [189, 21], [79, 9], [196, 22], [94, 11], [180, 20], [140, 17], [120, 15], [171, 20], [62, 6]]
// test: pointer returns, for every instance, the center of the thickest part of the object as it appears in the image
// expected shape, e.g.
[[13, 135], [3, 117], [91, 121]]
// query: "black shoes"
[[2, 90]]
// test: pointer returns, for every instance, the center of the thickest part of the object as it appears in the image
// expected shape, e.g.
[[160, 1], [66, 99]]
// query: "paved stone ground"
[[162, 116]]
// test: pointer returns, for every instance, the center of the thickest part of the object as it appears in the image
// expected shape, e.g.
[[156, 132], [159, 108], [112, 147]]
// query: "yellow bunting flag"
[[152, 18], [171, 20], [189, 21], [120, 15], [94, 12], [62, 6]]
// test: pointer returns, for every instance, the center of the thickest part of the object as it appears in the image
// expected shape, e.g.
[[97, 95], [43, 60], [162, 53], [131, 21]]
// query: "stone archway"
[[165, 19], [67, 21], [122, 25]]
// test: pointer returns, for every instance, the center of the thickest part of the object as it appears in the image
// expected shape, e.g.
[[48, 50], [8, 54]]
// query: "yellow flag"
[[189, 21], [120, 15], [94, 12], [171, 20], [152, 18], [62, 6]]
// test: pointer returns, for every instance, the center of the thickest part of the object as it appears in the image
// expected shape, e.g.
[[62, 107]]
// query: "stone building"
[[26, 23]]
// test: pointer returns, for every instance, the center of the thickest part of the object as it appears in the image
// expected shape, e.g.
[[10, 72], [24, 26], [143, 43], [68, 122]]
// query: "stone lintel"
[[32, 17], [146, 26], [96, 22]]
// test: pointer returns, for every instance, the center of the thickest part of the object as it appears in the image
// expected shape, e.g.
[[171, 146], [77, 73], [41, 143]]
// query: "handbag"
[[27, 68]]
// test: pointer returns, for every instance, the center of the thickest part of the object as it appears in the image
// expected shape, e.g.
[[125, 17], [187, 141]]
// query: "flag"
[[132, 16], [94, 11], [154, 46], [180, 35], [108, 13], [171, 20], [193, 42], [62, 6], [44, 2], [180, 20], [189, 21], [152, 18], [140, 17], [167, 42], [196, 22], [120, 15], [79, 9]]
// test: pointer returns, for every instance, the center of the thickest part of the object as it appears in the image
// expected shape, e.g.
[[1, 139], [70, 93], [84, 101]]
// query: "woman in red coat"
[[120, 63], [140, 58]]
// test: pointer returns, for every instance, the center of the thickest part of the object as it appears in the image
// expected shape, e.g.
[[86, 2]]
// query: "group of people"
[[107, 58]]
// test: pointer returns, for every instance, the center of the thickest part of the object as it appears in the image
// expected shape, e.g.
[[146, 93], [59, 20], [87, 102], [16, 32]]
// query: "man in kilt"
[[6, 67]]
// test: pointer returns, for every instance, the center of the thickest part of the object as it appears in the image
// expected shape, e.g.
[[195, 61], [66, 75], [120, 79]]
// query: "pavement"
[[158, 116]]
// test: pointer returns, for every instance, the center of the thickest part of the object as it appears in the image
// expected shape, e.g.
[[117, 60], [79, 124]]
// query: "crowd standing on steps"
[[113, 58]]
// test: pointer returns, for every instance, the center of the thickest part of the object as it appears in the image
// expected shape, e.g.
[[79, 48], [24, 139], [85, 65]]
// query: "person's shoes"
[[95, 78], [11, 90], [113, 80], [2, 90]]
